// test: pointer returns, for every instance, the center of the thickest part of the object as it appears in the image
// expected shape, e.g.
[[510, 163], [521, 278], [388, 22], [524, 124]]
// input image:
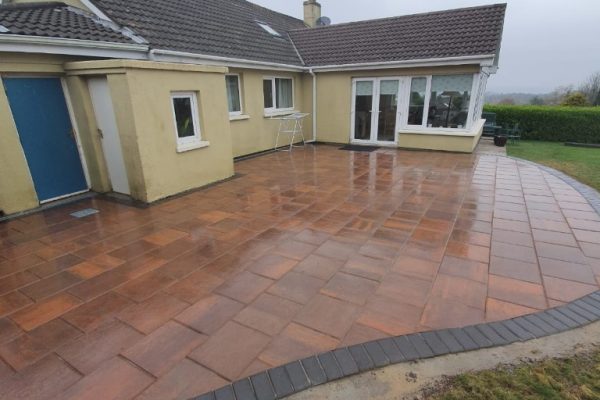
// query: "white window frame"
[[191, 142], [426, 129], [274, 110], [239, 79]]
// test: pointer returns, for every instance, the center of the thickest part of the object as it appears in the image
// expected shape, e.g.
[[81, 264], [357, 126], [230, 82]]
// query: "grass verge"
[[570, 378], [582, 164]]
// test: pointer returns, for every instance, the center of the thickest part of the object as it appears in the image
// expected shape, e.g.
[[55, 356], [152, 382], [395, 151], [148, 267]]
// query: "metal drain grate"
[[85, 213]]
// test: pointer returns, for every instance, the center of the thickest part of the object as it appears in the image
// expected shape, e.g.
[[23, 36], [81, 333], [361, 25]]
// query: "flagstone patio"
[[302, 252]]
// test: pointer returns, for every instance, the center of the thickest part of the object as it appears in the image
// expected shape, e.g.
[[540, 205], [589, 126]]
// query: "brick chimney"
[[312, 12]]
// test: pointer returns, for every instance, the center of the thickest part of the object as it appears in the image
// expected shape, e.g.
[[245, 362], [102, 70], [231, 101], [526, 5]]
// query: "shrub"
[[576, 99], [551, 123]]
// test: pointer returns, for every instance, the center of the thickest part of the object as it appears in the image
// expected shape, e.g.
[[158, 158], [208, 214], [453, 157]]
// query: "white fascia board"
[[192, 58], [483, 60], [75, 47], [95, 10]]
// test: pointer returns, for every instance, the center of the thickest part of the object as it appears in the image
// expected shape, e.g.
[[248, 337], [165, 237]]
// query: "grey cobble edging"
[[283, 381], [297, 376]]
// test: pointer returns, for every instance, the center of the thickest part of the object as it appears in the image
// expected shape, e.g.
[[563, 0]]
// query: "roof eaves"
[[52, 45], [483, 60]]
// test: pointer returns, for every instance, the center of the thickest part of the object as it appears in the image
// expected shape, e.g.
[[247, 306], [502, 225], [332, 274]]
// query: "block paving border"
[[297, 376]]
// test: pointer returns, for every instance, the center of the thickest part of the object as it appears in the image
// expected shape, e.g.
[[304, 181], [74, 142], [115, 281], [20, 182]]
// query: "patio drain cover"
[[85, 213]]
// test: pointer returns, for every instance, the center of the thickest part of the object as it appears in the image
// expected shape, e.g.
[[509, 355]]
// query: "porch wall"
[[141, 95], [334, 102], [17, 192], [258, 132]]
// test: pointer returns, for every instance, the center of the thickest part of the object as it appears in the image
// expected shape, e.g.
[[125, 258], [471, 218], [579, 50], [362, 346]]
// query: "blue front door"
[[40, 112]]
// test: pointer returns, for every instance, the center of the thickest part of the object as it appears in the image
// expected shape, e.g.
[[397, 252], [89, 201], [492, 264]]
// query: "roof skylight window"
[[270, 30]]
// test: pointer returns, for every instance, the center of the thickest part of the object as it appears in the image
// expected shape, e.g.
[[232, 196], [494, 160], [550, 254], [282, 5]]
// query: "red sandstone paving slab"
[[46, 310], [43, 380], [152, 313], [16, 281], [566, 290], [225, 345], [318, 266], [405, 289], [468, 269], [22, 352], [164, 348], [296, 342], [244, 287], [350, 288], [97, 312], [274, 266], [460, 290], [51, 285], [55, 333], [389, 316], [529, 272], [497, 310], [87, 352], [328, 315], [210, 314], [359, 334], [517, 291], [442, 313], [297, 287], [12, 302], [268, 314], [184, 381], [115, 379]]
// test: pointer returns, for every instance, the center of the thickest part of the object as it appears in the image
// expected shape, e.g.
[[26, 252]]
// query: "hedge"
[[551, 123]]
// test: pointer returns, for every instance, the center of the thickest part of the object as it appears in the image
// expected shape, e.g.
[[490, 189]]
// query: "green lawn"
[[572, 378], [581, 163]]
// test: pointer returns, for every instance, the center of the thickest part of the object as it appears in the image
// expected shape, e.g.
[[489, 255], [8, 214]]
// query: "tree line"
[[586, 94]]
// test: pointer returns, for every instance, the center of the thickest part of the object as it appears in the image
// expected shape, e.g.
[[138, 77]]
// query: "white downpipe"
[[312, 73]]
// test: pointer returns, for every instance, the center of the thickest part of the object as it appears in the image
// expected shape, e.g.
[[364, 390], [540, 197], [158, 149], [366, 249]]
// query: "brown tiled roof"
[[57, 20], [229, 28], [452, 33], [224, 28]]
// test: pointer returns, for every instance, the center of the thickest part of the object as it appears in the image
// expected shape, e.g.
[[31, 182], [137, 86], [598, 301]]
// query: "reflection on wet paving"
[[305, 252]]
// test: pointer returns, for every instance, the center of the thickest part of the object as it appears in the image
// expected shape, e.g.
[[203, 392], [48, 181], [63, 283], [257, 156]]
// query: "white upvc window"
[[278, 94], [441, 102], [234, 94], [186, 120]]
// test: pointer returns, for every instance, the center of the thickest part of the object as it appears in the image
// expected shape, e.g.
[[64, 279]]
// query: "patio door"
[[375, 110]]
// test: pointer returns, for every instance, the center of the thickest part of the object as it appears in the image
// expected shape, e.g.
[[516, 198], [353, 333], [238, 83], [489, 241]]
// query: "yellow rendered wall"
[[145, 120], [17, 192], [460, 144], [334, 97], [257, 133]]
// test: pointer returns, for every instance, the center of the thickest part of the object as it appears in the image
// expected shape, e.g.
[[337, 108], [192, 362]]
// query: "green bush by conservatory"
[[551, 123]]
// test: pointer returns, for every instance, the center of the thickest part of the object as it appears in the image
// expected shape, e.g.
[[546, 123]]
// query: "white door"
[[376, 110], [109, 133]]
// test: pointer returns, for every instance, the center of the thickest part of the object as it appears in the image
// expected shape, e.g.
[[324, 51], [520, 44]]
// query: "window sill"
[[279, 113], [239, 117], [438, 131], [182, 148]]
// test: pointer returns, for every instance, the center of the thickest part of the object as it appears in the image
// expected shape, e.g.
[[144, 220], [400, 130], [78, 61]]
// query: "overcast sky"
[[547, 43]]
